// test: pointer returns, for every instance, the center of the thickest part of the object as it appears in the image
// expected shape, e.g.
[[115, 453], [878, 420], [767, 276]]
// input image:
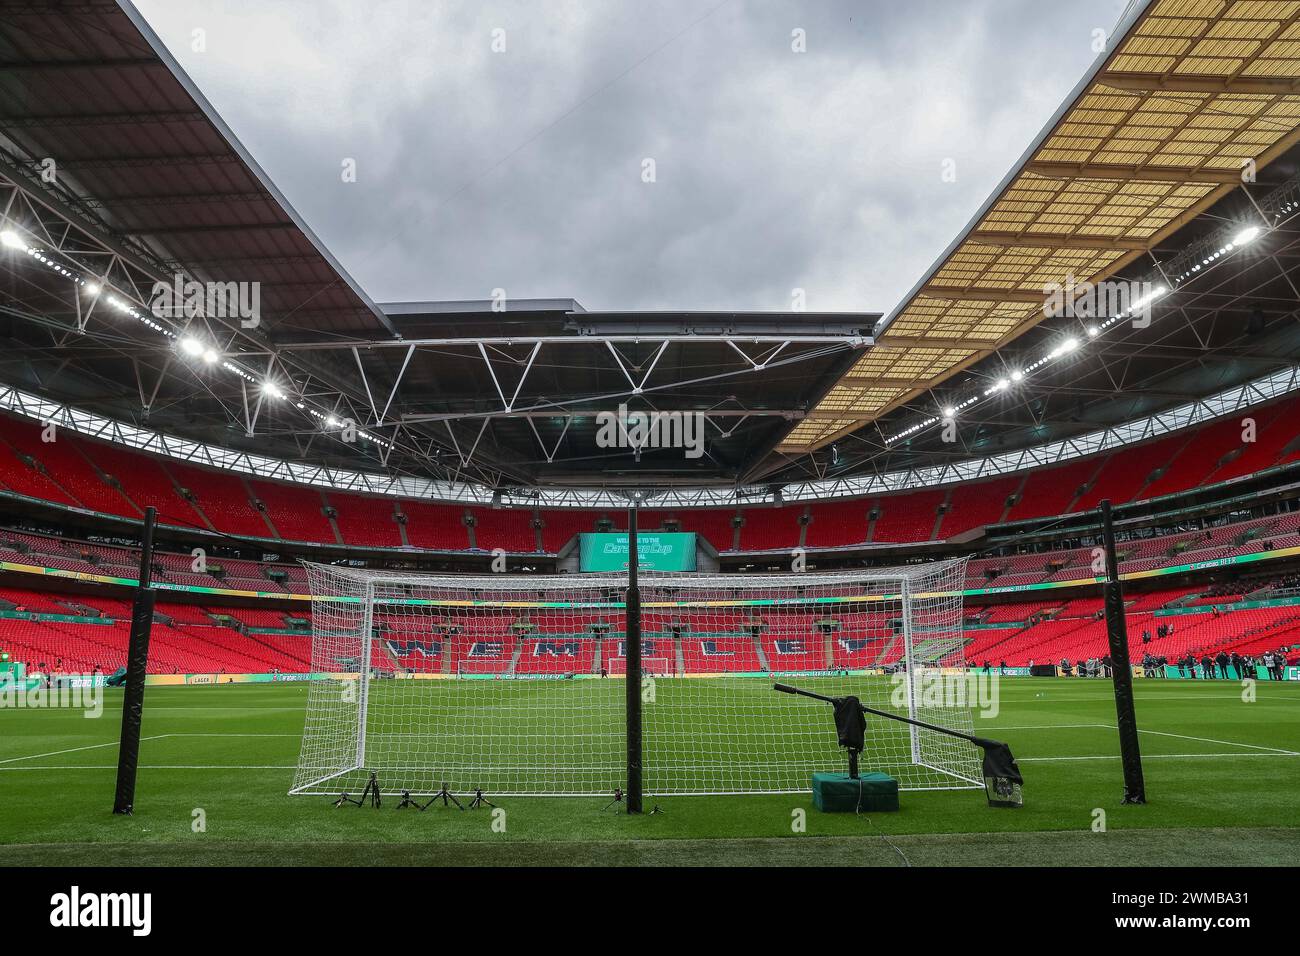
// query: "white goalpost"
[[516, 684]]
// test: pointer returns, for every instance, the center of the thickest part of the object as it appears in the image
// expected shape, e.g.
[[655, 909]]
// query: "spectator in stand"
[[1223, 660], [1146, 637]]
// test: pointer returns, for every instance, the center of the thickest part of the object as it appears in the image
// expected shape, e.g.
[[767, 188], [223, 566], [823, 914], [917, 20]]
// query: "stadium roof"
[[1157, 133], [148, 182], [1139, 170]]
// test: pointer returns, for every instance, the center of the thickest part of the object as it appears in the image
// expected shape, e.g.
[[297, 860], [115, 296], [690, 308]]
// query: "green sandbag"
[[838, 793]]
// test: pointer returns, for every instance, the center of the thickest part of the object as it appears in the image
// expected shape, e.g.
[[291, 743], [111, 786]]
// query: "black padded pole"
[[632, 609], [1121, 669], [137, 659]]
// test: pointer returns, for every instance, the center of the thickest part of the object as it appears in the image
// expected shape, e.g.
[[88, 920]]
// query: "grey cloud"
[[522, 170]]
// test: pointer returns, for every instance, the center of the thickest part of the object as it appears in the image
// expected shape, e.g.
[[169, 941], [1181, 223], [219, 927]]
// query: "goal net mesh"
[[516, 685]]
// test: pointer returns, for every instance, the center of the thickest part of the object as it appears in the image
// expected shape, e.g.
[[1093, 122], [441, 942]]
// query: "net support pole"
[[363, 679], [137, 661], [632, 611], [1121, 670], [909, 662]]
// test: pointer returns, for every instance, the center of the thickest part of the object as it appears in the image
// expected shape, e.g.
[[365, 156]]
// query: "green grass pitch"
[[1222, 776]]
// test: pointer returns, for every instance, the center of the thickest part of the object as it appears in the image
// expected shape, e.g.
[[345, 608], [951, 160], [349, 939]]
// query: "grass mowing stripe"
[[245, 739], [1211, 847]]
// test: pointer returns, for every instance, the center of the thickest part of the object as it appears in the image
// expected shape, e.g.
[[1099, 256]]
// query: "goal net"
[[516, 685]]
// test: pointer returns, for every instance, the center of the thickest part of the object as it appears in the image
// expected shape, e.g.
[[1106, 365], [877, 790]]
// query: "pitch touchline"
[[114, 743], [288, 767], [73, 750], [1145, 757]]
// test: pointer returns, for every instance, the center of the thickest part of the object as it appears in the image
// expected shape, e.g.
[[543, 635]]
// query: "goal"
[[496, 682], [650, 666]]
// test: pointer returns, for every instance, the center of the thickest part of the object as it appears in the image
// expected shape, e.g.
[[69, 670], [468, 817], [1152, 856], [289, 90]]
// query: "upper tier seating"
[[72, 471], [837, 523], [770, 529], [365, 521], [508, 528], [298, 514], [437, 527], [909, 517], [224, 498], [66, 463], [144, 480], [977, 504]]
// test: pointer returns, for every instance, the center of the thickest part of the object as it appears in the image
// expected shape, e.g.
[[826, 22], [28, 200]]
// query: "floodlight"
[[1246, 235]]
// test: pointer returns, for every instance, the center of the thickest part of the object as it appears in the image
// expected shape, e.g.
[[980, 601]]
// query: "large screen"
[[656, 550]]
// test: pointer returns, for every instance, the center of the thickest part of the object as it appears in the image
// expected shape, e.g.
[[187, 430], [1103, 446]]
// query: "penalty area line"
[[73, 750], [1146, 757]]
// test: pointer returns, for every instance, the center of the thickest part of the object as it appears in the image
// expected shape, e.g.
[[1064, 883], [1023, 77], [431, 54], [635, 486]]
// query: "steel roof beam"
[[1198, 83], [1159, 174]]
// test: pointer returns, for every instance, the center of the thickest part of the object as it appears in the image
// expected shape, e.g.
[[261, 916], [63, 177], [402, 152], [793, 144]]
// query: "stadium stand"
[[364, 521], [837, 524], [770, 529], [508, 528], [909, 517], [62, 473], [436, 527]]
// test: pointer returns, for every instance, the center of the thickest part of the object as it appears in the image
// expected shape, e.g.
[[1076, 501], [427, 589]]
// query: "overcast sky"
[[523, 169]]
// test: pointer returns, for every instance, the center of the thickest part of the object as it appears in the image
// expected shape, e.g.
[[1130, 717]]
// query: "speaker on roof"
[[1256, 323]]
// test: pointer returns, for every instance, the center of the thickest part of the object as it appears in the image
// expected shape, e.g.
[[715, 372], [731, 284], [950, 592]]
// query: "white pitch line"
[[114, 743], [291, 767], [232, 735], [219, 766], [1229, 743], [73, 750], [1052, 727], [1285, 753]]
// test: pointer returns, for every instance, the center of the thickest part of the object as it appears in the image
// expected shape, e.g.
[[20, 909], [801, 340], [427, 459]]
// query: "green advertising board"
[[656, 551]]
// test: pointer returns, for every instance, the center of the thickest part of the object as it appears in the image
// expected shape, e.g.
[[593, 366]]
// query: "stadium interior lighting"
[[272, 390], [191, 346], [92, 288], [11, 240], [1093, 331], [210, 356], [1246, 235], [949, 413], [1065, 348]]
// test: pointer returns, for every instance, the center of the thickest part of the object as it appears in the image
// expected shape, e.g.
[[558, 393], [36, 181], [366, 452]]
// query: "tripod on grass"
[[371, 792], [445, 795]]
